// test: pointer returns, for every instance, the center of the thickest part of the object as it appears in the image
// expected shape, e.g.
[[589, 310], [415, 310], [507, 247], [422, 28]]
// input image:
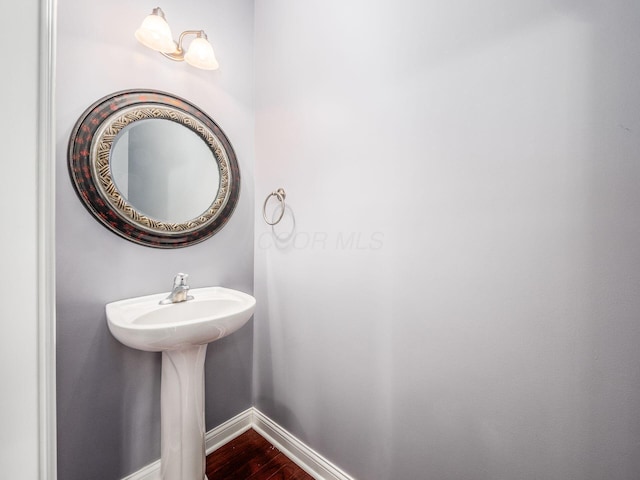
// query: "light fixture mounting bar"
[[178, 55]]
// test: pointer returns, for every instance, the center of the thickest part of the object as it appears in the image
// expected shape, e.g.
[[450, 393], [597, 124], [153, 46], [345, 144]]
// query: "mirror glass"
[[153, 168], [164, 170]]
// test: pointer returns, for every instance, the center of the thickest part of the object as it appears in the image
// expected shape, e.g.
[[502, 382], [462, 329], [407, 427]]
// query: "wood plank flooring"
[[250, 457]]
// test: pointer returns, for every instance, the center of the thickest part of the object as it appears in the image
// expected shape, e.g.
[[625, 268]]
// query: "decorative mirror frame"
[[89, 154]]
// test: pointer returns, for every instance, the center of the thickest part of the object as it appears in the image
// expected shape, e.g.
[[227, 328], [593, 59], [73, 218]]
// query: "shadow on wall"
[[131, 396], [279, 236]]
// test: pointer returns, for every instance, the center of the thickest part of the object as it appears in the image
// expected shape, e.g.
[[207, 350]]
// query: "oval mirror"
[[154, 168]]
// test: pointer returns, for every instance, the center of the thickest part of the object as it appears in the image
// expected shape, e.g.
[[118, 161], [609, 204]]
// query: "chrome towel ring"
[[280, 195]]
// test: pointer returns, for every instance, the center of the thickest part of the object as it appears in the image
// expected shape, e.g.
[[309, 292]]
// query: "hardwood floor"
[[251, 457]]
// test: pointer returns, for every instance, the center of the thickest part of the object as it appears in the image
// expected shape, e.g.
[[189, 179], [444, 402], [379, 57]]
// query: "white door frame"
[[47, 455]]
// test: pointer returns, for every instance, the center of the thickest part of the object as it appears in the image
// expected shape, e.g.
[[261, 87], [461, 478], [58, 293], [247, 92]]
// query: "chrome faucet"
[[180, 291]]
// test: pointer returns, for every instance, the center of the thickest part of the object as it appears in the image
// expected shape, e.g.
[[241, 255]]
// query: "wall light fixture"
[[156, 34]]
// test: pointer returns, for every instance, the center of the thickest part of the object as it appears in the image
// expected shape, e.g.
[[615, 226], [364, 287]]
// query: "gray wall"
[[108, 394], [19, 409], [458, 297]]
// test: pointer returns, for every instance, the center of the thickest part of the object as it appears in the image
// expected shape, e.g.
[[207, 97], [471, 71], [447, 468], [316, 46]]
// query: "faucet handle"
[[180, 280]]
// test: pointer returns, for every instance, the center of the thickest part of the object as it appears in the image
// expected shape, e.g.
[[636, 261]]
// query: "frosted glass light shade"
[[156, 34], [200, 54]]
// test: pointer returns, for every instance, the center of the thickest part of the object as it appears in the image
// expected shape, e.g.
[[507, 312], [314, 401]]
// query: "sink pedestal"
[[182, 414]]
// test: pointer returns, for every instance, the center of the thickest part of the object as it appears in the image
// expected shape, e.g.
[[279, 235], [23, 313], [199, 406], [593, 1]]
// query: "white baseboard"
[[229, 430], [150, 472], [310, 461]]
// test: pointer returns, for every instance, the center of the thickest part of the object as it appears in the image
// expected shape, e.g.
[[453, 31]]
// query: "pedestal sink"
[[181, 331]]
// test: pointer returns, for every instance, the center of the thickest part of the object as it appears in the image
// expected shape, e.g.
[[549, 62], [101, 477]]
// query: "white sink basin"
[[181, 331], [144, 324]]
